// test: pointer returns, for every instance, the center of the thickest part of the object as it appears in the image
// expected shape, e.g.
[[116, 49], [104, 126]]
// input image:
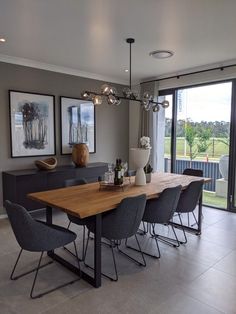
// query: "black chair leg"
[[53, 289], [83, 250], [186, 240], [196, 222], [167, 240], [143, 252], [111, 245], [138, 250], [26, 273]]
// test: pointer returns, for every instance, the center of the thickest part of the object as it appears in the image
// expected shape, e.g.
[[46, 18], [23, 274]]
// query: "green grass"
[[214, 151], [209, 198]]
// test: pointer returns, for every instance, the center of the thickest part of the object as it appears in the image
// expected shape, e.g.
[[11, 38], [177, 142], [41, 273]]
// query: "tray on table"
[[111, 186]]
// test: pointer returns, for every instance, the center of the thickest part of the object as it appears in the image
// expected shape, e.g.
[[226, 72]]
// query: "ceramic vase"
[[140, 158], [80, 155]]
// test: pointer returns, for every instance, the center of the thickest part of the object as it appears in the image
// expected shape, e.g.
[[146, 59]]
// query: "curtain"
[[149, 123]]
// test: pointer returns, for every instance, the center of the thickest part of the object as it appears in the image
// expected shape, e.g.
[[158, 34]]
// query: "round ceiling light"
[[2, 40], [161, 54]]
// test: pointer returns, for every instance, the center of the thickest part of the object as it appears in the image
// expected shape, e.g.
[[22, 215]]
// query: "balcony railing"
[[210, 170]]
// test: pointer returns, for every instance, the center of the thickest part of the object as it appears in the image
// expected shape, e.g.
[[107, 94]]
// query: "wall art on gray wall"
[[77, 124], [32, 124]]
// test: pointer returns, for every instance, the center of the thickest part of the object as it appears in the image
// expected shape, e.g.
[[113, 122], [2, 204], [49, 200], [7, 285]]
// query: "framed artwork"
[[77, 124], [32, 124]]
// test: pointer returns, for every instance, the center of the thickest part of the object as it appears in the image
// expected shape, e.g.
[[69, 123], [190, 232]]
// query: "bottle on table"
[[118, 180]]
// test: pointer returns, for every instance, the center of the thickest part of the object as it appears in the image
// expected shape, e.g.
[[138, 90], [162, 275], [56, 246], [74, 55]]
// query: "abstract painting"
[[77, 124], [32, 124]]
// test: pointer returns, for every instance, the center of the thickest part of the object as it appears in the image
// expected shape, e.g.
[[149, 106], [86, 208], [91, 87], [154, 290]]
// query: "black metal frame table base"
[[96, 280]]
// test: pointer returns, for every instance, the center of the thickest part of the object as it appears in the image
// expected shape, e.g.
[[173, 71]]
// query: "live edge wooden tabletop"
[[87, 200]]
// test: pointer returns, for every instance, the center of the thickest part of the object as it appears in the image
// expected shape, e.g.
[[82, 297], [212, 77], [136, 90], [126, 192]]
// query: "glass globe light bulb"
[[105, 89], [113, 90], [165, 104], [156, 108], [127, 92], [118, 101], [85, 95], [97, 100], [111, 99]]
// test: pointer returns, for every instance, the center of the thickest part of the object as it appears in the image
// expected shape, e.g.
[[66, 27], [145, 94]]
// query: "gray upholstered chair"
[[195, 173], [74, 219], [188, 200], [122, 223], [160, 210], [37, 236]]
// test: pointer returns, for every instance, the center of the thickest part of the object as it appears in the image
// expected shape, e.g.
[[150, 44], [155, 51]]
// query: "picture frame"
[[78, 124], [32, 124]]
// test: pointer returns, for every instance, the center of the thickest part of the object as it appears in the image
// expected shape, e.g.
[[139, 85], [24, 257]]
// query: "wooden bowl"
[[46, 164]]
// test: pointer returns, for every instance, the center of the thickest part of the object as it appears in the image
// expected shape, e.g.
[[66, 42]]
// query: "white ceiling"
[[89, 35]]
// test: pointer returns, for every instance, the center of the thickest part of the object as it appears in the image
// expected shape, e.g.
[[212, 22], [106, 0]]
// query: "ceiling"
[[88, 36]]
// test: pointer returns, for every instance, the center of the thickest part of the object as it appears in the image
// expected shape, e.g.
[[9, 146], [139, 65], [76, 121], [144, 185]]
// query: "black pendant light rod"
[[130, 41]]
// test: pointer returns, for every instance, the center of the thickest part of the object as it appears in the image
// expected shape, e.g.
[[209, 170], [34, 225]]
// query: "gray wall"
[[112, 123]]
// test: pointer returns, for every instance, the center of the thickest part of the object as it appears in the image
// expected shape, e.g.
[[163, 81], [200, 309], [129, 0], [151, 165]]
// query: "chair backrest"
[[75, 181], [161, 209], [22, 224], [123, 222], [193, 172], [189, 198]]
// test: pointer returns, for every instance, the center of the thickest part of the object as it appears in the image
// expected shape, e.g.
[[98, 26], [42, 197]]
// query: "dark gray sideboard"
[[17, 184]]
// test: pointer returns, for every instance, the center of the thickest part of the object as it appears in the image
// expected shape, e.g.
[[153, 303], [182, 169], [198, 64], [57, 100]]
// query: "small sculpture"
[[46, 164]]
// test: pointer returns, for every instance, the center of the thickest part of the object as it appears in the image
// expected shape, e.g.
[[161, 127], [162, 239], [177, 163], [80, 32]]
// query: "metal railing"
[[210, 170]]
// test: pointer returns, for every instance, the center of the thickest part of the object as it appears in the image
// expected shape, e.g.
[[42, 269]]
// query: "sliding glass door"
[[201, 137]]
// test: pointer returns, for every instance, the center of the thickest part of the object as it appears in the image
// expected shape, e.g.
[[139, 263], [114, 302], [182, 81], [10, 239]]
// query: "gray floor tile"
[[181, 303], [215, 288], [227, 264]]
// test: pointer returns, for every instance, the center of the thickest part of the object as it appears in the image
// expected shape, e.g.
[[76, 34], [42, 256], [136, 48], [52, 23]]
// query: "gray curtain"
[[148, 123]]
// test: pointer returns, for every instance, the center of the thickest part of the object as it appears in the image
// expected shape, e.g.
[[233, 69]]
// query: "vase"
[[80, 154], [224, 166], [140, 158]]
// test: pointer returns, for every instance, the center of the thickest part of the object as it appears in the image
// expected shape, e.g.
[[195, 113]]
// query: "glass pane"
[[202, 136]]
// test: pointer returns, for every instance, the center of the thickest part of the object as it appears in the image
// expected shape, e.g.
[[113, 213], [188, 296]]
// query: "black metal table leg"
[[96, 280], [97, 250]]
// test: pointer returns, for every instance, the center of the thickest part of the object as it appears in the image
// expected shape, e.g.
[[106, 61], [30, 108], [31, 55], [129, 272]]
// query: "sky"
[[204, 103]]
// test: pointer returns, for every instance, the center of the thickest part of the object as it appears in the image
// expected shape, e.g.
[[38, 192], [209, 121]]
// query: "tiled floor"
[[199, 277]]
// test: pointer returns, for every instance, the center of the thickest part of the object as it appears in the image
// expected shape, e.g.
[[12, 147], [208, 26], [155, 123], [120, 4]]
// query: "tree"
[[190, 136], [204, 135]]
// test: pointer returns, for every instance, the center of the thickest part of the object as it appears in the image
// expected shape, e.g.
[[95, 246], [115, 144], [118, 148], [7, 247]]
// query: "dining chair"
[[195, 173], [74, 219], [188, 201], [37, 236], [119, 224], [160, 210]]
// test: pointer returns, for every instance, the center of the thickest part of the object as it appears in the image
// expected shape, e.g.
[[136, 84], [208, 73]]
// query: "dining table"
[[90, 200]]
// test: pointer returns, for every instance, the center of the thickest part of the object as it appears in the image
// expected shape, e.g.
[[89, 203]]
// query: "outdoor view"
[[202, 136]]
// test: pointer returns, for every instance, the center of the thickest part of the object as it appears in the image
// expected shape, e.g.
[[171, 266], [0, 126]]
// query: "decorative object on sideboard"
[[46, 164], [110, 93], [80, 154], [32, 124], [77, 124], [148, 173]]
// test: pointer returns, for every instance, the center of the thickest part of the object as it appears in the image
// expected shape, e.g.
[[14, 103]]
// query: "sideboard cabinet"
[[17, 184]]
